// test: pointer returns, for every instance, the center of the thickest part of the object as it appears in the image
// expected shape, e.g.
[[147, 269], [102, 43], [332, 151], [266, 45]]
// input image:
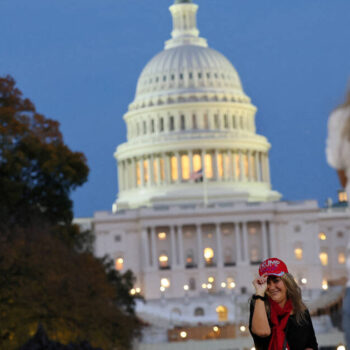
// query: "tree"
[[44, 281], [37, 170]]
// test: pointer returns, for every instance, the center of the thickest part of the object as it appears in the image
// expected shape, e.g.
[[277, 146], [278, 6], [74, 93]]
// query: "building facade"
[[195, 212]]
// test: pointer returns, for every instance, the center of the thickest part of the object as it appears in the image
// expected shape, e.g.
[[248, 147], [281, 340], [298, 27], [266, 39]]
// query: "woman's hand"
[[260, 285]]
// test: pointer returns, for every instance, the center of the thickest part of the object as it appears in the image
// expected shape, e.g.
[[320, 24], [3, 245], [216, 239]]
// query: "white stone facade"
[[195, 213]]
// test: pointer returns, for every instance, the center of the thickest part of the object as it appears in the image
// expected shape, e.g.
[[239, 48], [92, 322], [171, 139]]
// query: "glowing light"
[[216, 329], [164, 282], [324, 285], [253, 348], [324, 258], [119, 264], [341, 258], [223, 285], [162, 289], [341, 347], [232, 285], [322, 236], [186, 287], [209, 286], [242, 328], [204, 286], [162, 235], [303, 280], [183, 334], [133, 291], [298, 253], [211, 279], [163, 258]]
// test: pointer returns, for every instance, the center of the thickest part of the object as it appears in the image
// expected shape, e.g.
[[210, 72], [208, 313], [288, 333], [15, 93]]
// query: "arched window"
[[222, 313], [226, 121], [144, 128], [175, 312], [198, 311], [171, 123], [152, 125], [161, 124], [182, 122]]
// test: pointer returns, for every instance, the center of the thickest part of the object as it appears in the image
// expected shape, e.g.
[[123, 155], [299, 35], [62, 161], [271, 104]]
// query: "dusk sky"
[[79, 61]]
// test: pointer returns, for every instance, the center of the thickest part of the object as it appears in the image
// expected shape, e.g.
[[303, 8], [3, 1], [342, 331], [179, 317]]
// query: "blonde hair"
[[294, 294]]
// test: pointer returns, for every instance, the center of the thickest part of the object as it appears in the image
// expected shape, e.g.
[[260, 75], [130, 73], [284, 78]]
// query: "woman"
[[338, 156], [278, 317]]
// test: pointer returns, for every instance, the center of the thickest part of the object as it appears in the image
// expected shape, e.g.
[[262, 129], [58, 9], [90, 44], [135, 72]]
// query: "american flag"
[[197, 176]]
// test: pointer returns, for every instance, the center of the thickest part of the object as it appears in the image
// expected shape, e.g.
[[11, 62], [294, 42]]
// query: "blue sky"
[[79, 60]]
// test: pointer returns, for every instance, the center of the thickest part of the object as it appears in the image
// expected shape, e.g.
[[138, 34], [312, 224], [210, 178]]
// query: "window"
[[222, 313], [119, 263], [216, 121], [237, 166], [182, 122], [163, 261], [208, 255], [234, 122], [206, 123], [138, 174], [161, 124], [194, 121], [199, 75], [324, 258], [192, 283], [226, 121], [190, 75], [161, 236], [164, 77], [199, 311], [322, 236], [152, 125], [341, 258], [118, 238], [172, 77], [208, 75], [246, 164], [298, 253], [145, 171], [162, 170], [171, 123], [340, 234], [197, 162], [208, 166], [181, 76], [155, 170], [220, 164], [185, 165], [174, 170]]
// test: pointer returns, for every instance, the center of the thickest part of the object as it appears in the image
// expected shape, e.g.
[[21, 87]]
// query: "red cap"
[[273, 266]]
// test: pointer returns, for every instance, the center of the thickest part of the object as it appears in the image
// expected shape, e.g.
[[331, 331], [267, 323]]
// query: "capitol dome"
[[191, 133]]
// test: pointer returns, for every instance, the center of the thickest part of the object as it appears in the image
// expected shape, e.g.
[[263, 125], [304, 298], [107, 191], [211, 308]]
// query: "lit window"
[[165, 283], [322, 236], [185, 165], [237, 166], [246, 165], [145, 171], [162, 170], [222, 313], [220, 161], [163, 260], [155, 170], [173, 164], [341, 258], [162, 235], [298, 253], [197, 162], [138, 174], [324, 258], [208, 255], [342, 196], [208, 166], [324, 285], [119, 264]]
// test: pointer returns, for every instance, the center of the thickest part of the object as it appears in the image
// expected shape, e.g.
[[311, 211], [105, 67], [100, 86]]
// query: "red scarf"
[[278, 335]]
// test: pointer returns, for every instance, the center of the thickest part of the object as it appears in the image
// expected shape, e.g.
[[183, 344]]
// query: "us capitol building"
[[195, 212]]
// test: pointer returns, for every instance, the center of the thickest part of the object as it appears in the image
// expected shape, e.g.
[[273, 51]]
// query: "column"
[[167, 169], [159, 179], [267, 168], [265, 254], [180, 247], [120, 176], [179, 167], [272, 238], [154, 248], [151, 170], [224, 168], [172, 247], [236, 229], [232, 166], [241, 165], [216, 165], [133, 173], [190, 157], [199, 246], [203, 164], [257, 170], [245, 242], [142, 172], [263, 167], [250, 170], [145, 248], [219, 254]]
